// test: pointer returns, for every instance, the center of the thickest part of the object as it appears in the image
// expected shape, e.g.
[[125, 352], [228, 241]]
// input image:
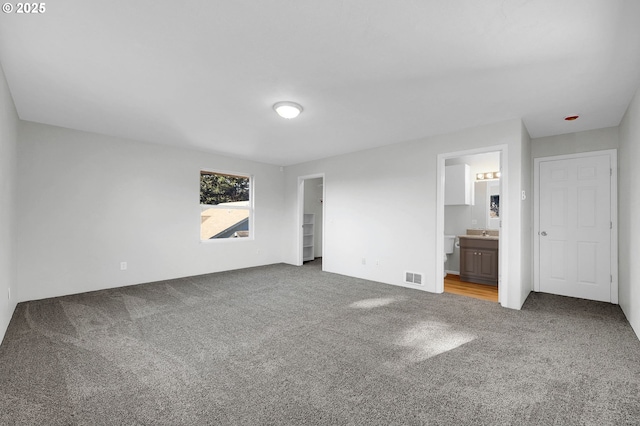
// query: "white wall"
[[526, 218], [629, 208], [572, 143], [8, 162], [380, 205], [88, 202], [313, 204]]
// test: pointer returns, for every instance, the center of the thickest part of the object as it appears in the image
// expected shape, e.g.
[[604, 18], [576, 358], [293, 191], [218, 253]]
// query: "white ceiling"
[[204, 74]]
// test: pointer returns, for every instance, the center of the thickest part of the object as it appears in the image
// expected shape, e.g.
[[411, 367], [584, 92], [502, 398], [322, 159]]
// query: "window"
[[225, 206]]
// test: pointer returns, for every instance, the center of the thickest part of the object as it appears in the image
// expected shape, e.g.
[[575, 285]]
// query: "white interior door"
[[575, 227]]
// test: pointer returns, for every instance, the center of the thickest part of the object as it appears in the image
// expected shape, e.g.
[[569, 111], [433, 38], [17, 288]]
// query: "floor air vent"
[[413, 278]]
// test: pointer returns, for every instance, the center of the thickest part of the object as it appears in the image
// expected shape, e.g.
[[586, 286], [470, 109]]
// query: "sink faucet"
[[484, 233]]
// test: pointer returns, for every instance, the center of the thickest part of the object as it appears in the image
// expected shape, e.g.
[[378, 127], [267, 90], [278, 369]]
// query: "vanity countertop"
[[480, 237]]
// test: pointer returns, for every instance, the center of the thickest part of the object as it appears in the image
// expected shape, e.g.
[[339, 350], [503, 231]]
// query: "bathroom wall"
[[479, 208], [457, 219]]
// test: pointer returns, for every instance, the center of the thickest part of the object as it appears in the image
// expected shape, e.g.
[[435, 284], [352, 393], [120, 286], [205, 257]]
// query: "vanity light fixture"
[[287, 109], [488, 175]]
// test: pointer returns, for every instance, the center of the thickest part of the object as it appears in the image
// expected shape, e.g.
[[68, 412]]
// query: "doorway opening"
[[472, 214], [311, 195]]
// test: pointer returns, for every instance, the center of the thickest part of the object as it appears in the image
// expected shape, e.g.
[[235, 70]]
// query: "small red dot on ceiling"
[[571, 117]]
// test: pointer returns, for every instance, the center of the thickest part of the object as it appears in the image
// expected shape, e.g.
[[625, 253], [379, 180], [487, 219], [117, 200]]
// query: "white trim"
[[613, 156], [503, 247], [614, 226], [227, 206], [226, 240], [300, 221]]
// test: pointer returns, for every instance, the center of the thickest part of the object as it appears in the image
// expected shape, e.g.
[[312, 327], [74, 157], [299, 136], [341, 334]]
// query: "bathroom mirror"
[[493, 204], [485, 212]]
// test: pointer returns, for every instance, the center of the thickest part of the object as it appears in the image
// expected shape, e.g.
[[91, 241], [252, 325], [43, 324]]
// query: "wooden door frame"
[[613, 156]]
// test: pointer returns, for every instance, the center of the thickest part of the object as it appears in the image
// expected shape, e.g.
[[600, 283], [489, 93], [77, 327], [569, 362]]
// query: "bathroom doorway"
[[474, 265]]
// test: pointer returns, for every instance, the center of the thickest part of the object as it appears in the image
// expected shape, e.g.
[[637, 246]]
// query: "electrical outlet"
[[258, 251], [123, 266], [377, 262], [364, 261]]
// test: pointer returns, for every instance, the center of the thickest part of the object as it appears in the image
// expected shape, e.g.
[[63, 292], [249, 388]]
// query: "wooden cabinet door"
[[486, 264], [467, 261], [479, 265]]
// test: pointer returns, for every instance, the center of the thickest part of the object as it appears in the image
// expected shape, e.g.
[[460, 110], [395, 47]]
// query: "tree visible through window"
[[225, 205]]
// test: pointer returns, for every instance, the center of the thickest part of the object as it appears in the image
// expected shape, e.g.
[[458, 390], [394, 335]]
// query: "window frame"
[[250, 208]]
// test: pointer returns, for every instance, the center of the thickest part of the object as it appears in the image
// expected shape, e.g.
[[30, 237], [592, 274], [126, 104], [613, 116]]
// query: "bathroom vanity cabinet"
[[479, 259]]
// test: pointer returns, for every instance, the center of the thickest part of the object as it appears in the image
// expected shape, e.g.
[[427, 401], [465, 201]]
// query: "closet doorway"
[[311, 195]]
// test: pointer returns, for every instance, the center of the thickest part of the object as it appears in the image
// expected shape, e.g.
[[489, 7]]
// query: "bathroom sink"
[[485, 234], [480, 237]]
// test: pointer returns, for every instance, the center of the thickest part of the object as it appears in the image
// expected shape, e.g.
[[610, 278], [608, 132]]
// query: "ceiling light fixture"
[[571, 117], [287, 109]]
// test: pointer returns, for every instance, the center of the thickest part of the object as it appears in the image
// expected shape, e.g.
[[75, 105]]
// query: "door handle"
[[543, 233]]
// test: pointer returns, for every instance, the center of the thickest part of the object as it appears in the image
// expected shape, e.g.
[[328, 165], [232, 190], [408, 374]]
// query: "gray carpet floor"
[[293, 345]]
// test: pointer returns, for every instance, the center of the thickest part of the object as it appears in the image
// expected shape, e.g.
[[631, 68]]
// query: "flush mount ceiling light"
[[287, 109], [571, 117]]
